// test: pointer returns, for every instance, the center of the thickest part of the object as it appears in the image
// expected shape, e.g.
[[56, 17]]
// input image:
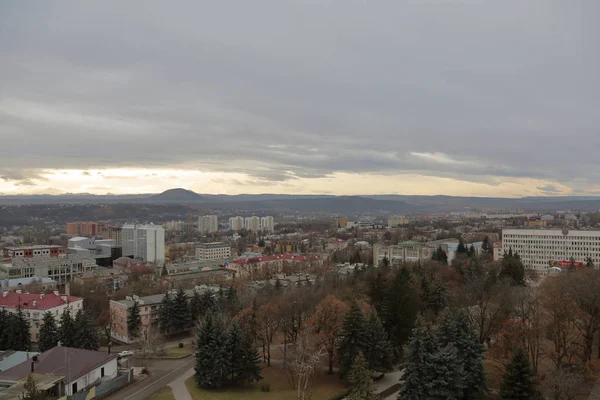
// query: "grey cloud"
[[282, 89]]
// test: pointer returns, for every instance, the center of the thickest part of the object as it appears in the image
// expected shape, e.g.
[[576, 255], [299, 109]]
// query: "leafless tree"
[[150, 341], [302, 361]]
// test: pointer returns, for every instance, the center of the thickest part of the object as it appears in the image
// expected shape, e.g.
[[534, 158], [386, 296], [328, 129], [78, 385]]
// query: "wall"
[[110, 372]]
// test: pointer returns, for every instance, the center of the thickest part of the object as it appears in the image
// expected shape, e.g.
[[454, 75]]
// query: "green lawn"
[[322, 387], [176, 352], [163, 394]]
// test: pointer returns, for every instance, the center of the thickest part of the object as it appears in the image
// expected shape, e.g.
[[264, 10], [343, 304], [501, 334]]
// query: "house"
[[10, 358], [63, 371]]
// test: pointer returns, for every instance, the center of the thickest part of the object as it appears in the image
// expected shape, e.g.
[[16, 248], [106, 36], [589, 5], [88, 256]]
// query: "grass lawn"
[[176, 352], [321, 385], [163, 394]]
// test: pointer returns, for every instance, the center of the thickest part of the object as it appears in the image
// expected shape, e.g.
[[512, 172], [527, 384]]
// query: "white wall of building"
[[146, 242], [208, 224], [111, 369], [236, 223]]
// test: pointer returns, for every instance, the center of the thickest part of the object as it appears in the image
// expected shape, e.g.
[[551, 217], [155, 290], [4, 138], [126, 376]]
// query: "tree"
[[326, 322], [267, 318], [67, 329], [471, 252], [353, 338], [378, 353], [301, 363], [149, 341], [212, 361], [105, 322], [378, 291], [401, 308], [361, 383], [31, 390], [165, 321], [180, 312], [589, 263], [436, 297], [21, 336], [440, 255], [385, 263], [134, 321], [461, 249], [486, 247], [244, 360], [5, 329], [86, 335], [519, 381], [512, 268], [196, 310], [49, 335]]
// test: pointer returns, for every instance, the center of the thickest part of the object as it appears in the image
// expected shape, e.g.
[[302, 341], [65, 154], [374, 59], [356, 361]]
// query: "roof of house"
[[66, 361], [6, 283], [42, 301], [286, 257], [10, 358]]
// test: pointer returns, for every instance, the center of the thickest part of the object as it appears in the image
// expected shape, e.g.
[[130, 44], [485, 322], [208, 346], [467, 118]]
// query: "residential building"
[[408, 251], [34, 306], [251, 266], [62, 269], [396, 220], [252, 223], [267, 224], [89, 229], [536, 222], [64, 371], [541, 249], [236, 223], [34, 251], [175, 226], [213, 251], [208, 224], [498, 253], [34, 284], [336, 223], [115, 233], [104, 251], [334, 244], [10, 358], [146, 242]]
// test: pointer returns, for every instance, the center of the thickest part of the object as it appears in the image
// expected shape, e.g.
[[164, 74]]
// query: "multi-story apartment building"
[[409, 251], [61, 269], [34, 251], [88, 229], [208, 224], [541, 249], [267, 224], [236, 223], [252, 223], [34, 307], [213, 251], [396, 220], [113, 232], [146, 242]]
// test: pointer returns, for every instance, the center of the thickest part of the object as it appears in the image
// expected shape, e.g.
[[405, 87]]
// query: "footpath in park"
[[180, 391]]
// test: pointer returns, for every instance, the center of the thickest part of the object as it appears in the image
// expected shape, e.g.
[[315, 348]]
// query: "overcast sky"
[[487, 97]]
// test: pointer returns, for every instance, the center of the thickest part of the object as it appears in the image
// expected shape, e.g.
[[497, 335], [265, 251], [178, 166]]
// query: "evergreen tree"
[[196, 307], [379, 352], [447, 375], [401, 308], [86, 335], [353, 338], [471, 251], [164, 314], [244, 360], [134, 321], [461, 249], [21, 336], [278, 286], [378, 292], [212, 360], [416, 369], [361, 383], [5, 330], [486, 247], [67, 329], [49, 334], [519, 381], [180, 312], [440, 255], [164, 271], [436, 297], [589, 262], [512, 268], [209, 303], [385, 263], [231, 301]]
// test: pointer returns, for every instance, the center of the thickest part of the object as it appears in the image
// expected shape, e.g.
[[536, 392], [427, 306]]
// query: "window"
[[74, 387], [102, 372]]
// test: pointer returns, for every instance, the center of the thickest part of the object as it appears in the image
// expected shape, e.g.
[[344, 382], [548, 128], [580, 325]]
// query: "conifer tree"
[[67, 329], [21, 336], [195, 307], [401, 308], [180, 312], [212, 361], [361, 383], [378, 293], [486, 247], [134, 321], [164, 314], [440, 255], [5, 330], [244, 360], [49, 334], [461, 249], [416, 369], [378, 352], [436, 297], [471, 251], [519, 382], [86, 335], [513, 268], [353, 338]]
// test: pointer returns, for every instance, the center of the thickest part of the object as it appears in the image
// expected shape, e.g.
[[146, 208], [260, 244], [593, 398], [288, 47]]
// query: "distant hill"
[[181, 196]]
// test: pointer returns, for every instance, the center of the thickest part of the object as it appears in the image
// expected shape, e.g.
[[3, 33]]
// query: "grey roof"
[[158, 298], [10, 358], [6, 283]]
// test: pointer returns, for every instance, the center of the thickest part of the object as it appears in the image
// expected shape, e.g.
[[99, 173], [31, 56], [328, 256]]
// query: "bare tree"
[[303, 359], [562, 385], [149, 341]]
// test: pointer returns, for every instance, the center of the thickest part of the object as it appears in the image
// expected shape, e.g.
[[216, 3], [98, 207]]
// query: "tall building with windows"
[[146, 242], [208, 224], [267, 224], [541, 249], [252, 223], [236, 223]]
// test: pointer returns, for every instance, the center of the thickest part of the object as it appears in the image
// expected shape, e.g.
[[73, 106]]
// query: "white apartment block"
[[176, 226], [252, 223], [236, 223], [61, 269], [213, 251], [267, 224], [208, 224], [146, 242], [395, 220], [540, 249]]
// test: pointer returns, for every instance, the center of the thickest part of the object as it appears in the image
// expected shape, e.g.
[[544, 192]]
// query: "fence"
[[104, 388]]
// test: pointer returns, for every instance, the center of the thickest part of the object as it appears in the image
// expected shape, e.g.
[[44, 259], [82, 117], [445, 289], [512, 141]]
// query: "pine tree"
[[353, 338], [378, 292], [447, 378], [461, 249], [519, 381], [5, 330], [164, 314], [244, 360], [436, 297], [440, 255], [86, 335], [31, 390], [401, 308], [361, 383], [67, 329], [21, 336], [49, 334], [231, 301], [180, 313], [212, 361], [378, 353], [486, 247], [471, 251], [416, 369], [512, 268], [196, 310], [134, 321]]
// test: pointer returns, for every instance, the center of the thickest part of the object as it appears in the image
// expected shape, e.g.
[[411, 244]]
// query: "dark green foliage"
[[385, 263], [49, 335], [278, 286], [353, 338], [231, 301], [5, 330], [67, 329], [180, 312], [461, 249], [378, 293], [195, 307], [21, 336], [134, 321], [212, 361], [164, 314], [440, 255], [589, 262], [519, 381], [86, 335], [435, 296], [512, 268], [486, 247], [471, 252], [164, 271], [244, 360], [361, 383], [401, 308], [378, 353]]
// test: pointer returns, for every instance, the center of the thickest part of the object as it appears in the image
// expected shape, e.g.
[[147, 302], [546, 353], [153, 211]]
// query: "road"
[[163, 372]]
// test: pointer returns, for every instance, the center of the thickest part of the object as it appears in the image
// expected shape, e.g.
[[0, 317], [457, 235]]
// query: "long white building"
[[540, 249], [146, 242]]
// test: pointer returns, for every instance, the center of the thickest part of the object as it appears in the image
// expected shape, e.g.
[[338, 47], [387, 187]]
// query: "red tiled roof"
[[12, 300], [285, 257]]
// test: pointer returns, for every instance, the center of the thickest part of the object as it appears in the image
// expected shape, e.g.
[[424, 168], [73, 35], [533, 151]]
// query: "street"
[[163, 372]]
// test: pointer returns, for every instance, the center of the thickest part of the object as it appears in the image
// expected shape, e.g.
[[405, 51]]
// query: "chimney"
[[5, 293], [32, 366], [56, 293], [34, 303], [42, 296], [18, 291], [63, 298]]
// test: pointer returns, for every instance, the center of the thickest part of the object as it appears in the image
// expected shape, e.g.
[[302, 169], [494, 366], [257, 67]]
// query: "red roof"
[[285, 257], [12, 300]]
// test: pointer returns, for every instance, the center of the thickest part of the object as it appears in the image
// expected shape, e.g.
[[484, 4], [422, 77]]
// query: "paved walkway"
[[180, 391], [389, 380]]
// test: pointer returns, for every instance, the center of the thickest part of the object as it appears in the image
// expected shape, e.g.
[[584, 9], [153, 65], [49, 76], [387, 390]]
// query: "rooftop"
[[6, 283], [284, 257], [10, 358], [34, 247], [42, 301]]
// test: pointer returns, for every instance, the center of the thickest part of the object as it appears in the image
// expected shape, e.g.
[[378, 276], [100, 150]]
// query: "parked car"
[[126, 353]]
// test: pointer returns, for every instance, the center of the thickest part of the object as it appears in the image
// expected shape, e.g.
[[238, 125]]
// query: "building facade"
[[61, 269], [89, 229], [409, 251], [497, 251], [208, 224], [396, 220], [213, 251], [267, 224], [541, 249], [146, 242], [236, 223], [34, 251], [252, 223]]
